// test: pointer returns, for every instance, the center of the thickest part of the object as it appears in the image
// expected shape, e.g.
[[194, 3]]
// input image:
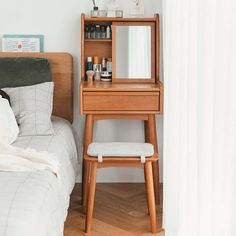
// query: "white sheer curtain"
[[139, 57], [200, 117]]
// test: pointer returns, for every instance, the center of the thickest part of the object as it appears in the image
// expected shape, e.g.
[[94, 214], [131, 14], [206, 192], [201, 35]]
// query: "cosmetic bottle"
[[97, 32], [92, 31], [97, 73], [95, 60], [109, 65], [103, 31], [87, 32], [97, 68], [108, 32], [89, 64], [104, 64]]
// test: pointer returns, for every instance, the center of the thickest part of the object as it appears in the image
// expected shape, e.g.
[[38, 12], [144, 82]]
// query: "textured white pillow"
[[8, 127], [32, 106]]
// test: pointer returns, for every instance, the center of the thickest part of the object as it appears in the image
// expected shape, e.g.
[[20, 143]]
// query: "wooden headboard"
[[62, 73]]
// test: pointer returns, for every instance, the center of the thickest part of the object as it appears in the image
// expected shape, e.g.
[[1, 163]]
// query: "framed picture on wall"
[[22, 43]]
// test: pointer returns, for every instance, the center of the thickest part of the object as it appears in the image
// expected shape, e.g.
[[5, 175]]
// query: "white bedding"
[[36, 203]]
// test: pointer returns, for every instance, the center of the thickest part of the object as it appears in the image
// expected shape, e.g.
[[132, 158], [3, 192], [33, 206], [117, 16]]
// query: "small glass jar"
[[111, 13], [94, 12], [119, 13], [106, 76], [102, 13]]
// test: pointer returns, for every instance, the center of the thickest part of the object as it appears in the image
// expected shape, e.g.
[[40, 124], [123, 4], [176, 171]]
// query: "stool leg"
[[155, 170], [86, 173], [92, 188], [151, 137], [146, 187], [88, 138], [150, 196]]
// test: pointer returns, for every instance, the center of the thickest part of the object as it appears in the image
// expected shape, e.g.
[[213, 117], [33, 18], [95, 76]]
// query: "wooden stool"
[[101, 155]]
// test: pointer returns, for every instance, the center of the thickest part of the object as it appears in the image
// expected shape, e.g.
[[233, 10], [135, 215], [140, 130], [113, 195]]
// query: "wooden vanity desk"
[[138, 97]]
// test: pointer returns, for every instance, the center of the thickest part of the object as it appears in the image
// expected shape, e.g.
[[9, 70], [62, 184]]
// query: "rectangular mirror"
[[134, 54]]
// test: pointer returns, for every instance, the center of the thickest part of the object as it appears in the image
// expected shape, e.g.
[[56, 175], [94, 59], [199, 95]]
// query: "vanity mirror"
[[133, 51], [130, 45]]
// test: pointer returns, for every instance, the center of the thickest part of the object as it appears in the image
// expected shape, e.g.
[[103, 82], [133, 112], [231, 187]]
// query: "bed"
[[36, 203]]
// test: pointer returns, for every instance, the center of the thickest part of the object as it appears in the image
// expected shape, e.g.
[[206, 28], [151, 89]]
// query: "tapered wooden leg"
[[150, 196], [146, 131], [92, 188], [146, 187], [155, 171], [151, 137], [88, 138], [86, 172]]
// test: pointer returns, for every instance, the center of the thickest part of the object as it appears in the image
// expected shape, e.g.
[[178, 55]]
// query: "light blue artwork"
[[23, 43]]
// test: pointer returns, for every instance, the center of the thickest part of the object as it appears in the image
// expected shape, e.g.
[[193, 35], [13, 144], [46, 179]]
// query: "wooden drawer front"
[[121, 101]]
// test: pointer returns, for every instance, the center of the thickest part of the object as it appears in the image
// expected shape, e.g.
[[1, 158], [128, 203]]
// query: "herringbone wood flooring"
[[120, 210]]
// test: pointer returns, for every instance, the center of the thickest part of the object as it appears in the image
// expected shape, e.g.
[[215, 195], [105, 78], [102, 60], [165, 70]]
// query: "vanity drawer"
[[121, 101]]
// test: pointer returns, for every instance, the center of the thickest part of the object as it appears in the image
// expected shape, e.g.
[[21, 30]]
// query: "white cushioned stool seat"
[[120, 149]]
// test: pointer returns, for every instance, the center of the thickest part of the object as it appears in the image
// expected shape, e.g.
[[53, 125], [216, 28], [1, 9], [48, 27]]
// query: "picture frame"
[[22, 43]]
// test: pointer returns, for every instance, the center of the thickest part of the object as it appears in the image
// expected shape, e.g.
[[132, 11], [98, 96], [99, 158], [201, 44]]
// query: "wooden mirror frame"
[[153, 53]]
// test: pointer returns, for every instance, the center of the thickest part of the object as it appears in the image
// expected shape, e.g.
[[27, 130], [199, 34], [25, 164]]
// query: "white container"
[[102, 13], [111, 8], [119, 13], [108, 32]]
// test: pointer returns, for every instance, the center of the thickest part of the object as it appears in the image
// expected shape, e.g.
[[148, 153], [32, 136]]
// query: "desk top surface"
[[108, 86]]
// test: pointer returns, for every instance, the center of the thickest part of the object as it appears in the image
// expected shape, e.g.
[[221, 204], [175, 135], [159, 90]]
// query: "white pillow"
[[8, 127], [32, 106]]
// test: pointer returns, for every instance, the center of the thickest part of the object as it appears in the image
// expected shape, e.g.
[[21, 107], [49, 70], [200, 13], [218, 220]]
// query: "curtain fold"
[[200, 117], [139, 58]]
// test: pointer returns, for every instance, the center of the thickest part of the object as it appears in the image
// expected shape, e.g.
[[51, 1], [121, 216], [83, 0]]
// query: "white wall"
[[59, 22]]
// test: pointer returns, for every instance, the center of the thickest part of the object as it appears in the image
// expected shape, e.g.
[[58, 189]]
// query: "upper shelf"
[[98, 40], [109, 19]]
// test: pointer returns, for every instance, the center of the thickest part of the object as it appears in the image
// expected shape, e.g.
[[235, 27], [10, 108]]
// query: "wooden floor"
[[120, 210]]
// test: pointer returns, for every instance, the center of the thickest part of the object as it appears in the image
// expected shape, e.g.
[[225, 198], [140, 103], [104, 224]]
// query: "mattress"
[[36, 203]]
